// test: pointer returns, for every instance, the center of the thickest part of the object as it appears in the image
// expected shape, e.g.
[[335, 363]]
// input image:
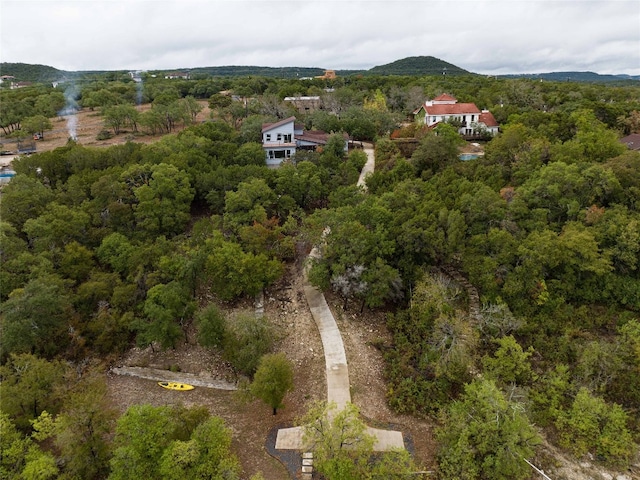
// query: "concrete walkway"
[[369, 166], [338, 387], [168, 376]]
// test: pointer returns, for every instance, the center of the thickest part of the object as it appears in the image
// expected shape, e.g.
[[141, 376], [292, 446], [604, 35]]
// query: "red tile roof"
[[445, 97], [452, 109], [488, 119]]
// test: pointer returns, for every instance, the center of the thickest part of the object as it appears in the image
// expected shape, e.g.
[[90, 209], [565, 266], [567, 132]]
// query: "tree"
[[142, 435], [164, 203], [56, 227], [272, 380], [119, 116], [206, 455], [84, 428], [24, 198], [36, 318], [211, 326], [28, 387], [510, 363], [253, 201], [36, 125], [483, 435], [592, 425], [172, 443], [231, 272], [168, 307], [248, 338], [342, 448], [21, 457], [437, 150]]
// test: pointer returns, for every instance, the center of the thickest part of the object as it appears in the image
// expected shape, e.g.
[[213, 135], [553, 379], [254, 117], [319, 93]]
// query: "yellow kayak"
[[176, 386]]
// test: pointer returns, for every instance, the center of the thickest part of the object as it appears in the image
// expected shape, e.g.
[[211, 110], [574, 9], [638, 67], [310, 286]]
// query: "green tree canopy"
[[485, 436], [272, 380]]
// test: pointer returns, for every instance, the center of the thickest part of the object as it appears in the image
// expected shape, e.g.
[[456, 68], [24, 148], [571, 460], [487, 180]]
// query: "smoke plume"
[[69, 111]]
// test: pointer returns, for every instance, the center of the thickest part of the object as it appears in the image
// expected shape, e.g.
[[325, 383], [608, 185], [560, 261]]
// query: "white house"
[[472, 120], [282, 139]]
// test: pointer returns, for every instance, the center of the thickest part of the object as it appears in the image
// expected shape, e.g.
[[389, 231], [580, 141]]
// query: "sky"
[[482, 36]]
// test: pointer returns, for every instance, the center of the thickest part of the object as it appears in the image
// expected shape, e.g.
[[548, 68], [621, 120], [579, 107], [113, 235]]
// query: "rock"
[[607, 476], [623, 477]]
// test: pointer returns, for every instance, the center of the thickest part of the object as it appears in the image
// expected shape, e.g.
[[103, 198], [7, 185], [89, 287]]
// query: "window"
[[268, 137], [279, 137], [287, 138]]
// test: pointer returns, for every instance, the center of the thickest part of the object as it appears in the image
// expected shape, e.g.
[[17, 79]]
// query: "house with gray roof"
[[281, 140]]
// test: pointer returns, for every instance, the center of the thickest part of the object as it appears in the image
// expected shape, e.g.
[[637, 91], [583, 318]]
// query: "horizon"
[[177, 69], [488, 37]]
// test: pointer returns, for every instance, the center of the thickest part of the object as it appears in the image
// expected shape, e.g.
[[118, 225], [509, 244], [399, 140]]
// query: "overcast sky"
[[482, 36]]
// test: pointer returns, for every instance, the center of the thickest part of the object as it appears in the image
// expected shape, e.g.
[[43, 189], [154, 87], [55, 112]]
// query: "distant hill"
[[406, 66], [418, 66], [278, 72], [575, 77], [411, 66], [26, 72]]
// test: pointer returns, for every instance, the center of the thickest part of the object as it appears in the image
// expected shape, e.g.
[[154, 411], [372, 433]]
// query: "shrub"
[[593, 426]]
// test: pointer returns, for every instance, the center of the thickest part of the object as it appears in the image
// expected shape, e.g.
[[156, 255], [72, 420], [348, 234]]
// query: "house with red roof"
[[281, 140], [471, 121]]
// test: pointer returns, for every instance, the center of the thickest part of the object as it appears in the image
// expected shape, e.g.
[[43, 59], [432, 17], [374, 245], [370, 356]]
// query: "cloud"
[[484, 36]]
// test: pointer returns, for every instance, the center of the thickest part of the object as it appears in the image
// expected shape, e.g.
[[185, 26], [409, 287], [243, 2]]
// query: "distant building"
[[282, 139], [15, 85], [305, 104], [445, 108], [328, 75], [632, 141], [174, 75], [7, 78]]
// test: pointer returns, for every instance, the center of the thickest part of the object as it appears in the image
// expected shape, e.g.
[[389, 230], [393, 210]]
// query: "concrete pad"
[[386, 439], [290, 439]]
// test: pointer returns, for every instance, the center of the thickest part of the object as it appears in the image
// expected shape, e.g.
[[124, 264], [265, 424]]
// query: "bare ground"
[[89, 124]]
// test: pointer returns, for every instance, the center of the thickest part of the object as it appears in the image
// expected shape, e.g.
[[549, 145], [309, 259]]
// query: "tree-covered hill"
[[25, 72], [418, 66], [271, 72], [578, 77]]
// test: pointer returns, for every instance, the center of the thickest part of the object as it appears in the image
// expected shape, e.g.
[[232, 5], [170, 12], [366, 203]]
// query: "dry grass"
[[89, 124]]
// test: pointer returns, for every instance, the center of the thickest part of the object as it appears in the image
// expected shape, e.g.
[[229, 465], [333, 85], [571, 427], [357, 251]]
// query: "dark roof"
[[632, 141], [270, 126]]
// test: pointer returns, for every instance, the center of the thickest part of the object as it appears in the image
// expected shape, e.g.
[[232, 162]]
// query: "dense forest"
[[510, 283]]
